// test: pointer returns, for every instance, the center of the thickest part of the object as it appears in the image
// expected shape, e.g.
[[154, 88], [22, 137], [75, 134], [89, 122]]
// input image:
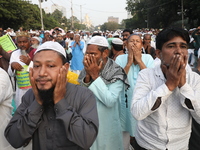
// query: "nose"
[[42, 71], [178, 50]]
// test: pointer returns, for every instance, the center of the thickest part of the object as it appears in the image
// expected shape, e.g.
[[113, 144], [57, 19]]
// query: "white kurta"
[[6, 93]]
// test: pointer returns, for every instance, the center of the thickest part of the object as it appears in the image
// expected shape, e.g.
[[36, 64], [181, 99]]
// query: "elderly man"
[[167, 97], [133, 63], [35, 42], [105, 79], [54, 114], [77, 54], [19, 61]]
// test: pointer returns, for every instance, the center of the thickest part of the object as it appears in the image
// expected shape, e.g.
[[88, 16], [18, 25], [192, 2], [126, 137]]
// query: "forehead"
[[126, 33], [177, 40], [147, 36], [22, 38], [47, 55], [135, 37], [92, 48]]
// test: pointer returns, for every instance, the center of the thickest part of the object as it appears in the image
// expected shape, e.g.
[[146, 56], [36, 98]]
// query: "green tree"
[[111, 26], [57, 15], [162, 13]]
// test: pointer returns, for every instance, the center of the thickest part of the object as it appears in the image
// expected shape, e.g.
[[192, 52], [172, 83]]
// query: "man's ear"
[[158, 52], [106, 53], [66, 66]]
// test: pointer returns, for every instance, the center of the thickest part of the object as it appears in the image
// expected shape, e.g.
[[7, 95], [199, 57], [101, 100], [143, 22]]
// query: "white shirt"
[[169, 126], [6, 93]]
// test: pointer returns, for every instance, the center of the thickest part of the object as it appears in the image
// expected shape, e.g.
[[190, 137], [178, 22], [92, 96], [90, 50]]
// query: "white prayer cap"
[[98, 40], [115, 34], [37, 38], [12, 33], [50, 45], [47, 31], [117, 41]]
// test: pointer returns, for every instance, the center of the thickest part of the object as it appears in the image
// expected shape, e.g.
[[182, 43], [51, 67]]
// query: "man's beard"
[[47, 97], [35, 46]]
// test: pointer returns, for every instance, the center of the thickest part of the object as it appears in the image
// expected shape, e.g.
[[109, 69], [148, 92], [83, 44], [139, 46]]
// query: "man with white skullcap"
[[35, 42], [105, 79], [116, 48], [54, 113]]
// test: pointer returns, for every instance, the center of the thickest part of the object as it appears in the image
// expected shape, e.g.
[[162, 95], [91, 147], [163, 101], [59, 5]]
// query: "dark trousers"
[[135, 145]]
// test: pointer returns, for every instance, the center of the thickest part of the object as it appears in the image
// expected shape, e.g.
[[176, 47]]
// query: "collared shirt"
[[169, 126]]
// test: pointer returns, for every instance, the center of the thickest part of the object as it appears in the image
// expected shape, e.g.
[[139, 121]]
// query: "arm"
[[25, 121], [81, 123], [190, 93], [146, 96], [81, 44], [5, 54], [108, 95]]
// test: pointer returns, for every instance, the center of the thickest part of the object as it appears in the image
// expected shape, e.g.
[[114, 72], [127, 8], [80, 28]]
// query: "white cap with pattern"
[[98, 40], [50, 45]]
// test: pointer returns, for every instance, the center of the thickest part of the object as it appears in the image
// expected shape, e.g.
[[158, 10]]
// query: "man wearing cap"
[[55, 114], [105, 79], [116, 48], [19, 61], [35, 42], [77, 54]]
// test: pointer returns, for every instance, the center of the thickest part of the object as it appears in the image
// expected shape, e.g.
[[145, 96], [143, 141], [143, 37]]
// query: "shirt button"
[[56, 109], [49, 129]]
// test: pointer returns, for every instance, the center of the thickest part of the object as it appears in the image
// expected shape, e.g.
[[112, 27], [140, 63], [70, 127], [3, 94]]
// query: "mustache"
[[42, 79]]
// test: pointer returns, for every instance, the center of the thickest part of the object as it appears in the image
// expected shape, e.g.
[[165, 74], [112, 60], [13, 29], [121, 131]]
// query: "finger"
[[93, 60], [86, 62], [64, 75], [100, 65], [177, 62]]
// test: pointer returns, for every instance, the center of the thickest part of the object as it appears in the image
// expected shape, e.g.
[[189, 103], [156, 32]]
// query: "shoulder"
[[15, 52], [73, 89], [121, 58], [79, 96], [29, 96]]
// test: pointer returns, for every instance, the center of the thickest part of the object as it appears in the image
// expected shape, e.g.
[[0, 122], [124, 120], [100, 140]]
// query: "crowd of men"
[[134, 90]]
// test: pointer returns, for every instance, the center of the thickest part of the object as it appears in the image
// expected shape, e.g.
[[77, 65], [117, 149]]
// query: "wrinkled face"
[[23, 43], [147, 39], [175, 46], [34, 41], [93, 50], [134, 40], [46, 67], [125, 35]]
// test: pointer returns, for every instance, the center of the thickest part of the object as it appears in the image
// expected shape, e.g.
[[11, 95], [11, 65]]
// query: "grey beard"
[[35, 46]]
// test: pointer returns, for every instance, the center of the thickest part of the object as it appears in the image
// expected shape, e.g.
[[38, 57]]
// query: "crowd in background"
[[119, 72]]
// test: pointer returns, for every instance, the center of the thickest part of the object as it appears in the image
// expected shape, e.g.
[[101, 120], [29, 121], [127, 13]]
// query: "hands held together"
[[175, 72]]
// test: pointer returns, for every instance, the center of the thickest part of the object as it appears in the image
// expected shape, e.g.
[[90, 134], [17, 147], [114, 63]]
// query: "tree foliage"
[[17, 13], [111, 26], [162, 13]]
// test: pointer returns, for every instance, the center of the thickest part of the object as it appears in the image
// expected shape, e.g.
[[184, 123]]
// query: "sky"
[[98, 11]]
